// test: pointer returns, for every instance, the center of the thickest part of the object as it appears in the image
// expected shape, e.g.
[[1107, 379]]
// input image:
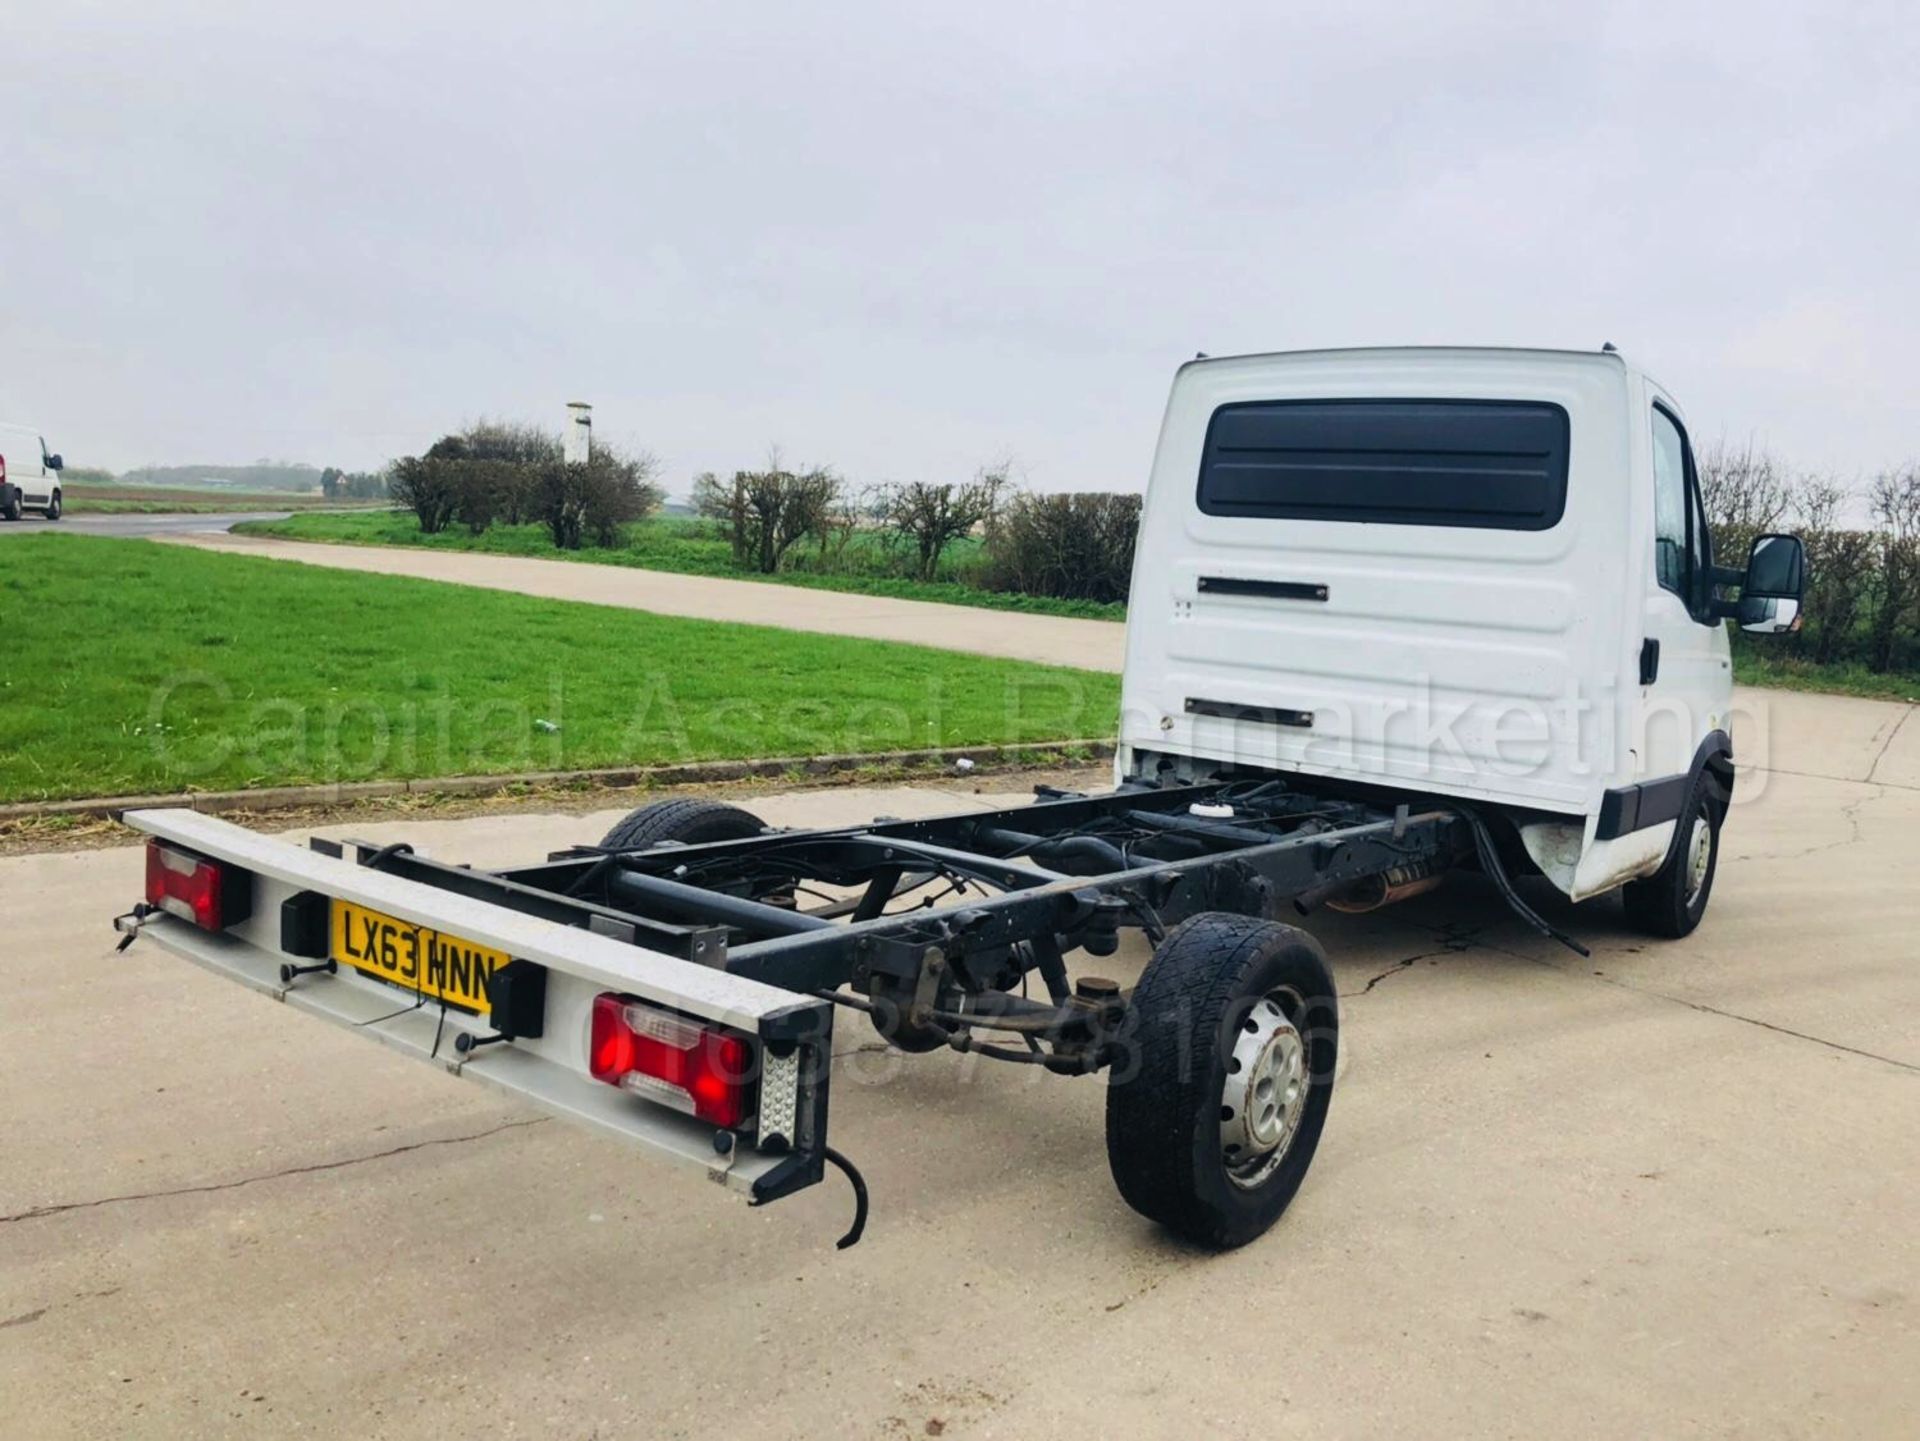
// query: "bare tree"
[[1746, 493], [1895, 500], [724, 501], [931, 517], [769, 511]]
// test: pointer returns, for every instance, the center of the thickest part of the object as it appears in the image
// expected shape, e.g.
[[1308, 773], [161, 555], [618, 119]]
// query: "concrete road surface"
[[1055, 640], [132, 525], [1671, 1190]]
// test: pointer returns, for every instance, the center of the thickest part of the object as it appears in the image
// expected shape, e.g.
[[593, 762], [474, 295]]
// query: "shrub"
[[430, 488], [1839, 571], [1862, 598], [594, 500], [767, 512], [1896, 507], [1072, 547], [929, 518]]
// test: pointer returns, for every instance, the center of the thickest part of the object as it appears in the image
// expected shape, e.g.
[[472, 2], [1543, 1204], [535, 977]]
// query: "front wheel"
[[53, 507], [1217, 1098], [1671, 901]]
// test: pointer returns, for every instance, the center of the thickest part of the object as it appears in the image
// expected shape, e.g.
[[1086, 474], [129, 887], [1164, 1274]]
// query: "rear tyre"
[[1216, 1103], [1671, 901], [10, 508], [690, 822]]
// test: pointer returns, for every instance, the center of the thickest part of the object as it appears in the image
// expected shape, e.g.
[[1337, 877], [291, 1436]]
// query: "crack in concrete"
[[1452, 943], [27, 1318], [1851, 811], [1823, 776], [1887, 744], [1711, 1010], [1393, 970], [34, 1213]]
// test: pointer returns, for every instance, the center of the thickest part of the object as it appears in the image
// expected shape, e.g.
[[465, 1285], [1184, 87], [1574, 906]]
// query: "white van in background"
[[29, 477]]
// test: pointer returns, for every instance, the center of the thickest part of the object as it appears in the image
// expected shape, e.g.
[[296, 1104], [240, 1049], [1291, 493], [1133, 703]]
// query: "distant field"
[[687, 546], [90, 498], [174, 668]]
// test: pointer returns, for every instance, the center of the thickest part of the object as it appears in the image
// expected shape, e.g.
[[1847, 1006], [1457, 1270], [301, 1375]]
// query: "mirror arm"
[[1725, 610], [1728, 575]]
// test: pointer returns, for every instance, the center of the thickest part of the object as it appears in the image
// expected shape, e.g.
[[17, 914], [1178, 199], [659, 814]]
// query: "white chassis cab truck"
[[1395, 614]]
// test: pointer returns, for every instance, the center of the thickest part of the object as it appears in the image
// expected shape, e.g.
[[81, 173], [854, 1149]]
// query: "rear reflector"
[[669, 1059], [211, 895]]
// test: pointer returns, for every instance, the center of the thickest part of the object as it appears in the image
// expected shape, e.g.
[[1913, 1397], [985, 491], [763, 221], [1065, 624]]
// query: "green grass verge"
[[1754, 666], [690, 547], [147, 667]]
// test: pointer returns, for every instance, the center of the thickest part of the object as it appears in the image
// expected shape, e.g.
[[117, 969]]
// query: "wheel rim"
[[1699, 855], [1265, 1093]]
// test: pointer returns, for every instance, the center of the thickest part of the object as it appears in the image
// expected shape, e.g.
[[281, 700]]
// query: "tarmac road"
[[136, 525], [1668, 1190]]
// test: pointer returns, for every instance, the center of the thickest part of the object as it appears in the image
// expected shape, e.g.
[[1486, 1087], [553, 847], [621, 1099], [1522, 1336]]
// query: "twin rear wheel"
[[1216, 1100]]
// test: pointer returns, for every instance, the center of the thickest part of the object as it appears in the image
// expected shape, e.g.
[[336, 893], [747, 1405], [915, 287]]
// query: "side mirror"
[[1775, 582], [54, 462]]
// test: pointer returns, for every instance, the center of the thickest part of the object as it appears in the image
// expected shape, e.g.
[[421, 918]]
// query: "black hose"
[[859, 1185], [1490, 863]]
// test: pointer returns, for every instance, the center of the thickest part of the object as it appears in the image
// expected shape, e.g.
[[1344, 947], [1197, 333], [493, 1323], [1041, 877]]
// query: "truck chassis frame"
[[741, 931]]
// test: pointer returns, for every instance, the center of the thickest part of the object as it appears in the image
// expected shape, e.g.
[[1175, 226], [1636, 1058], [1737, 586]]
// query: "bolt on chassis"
[[676, 985]]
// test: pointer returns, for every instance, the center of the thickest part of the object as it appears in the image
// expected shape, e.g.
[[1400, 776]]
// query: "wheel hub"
[[1699, 855], [1265, 1092]]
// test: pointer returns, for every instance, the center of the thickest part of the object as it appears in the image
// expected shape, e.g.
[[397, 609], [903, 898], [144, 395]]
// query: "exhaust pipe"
[[1384, 889]]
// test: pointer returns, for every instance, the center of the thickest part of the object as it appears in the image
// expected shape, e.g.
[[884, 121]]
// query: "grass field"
[[158, 668], [690, 547], [88, 498]]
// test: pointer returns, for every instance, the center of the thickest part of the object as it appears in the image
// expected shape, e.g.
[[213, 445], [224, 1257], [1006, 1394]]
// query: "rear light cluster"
[[211, 895], [706, 1073]]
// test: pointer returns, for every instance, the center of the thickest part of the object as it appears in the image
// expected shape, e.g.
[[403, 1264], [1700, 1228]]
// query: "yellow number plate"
[[414, 958]]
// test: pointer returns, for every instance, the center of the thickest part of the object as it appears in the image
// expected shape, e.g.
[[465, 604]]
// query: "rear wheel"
[[1215, 1107], [10, 508], [1671, 901]]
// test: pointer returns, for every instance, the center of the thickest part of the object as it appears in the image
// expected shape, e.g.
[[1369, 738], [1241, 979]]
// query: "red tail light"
[[211, 895], [3, 468], [669, 1059]]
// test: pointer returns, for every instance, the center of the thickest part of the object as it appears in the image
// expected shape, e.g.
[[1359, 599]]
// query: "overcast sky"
[[906, 238]]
